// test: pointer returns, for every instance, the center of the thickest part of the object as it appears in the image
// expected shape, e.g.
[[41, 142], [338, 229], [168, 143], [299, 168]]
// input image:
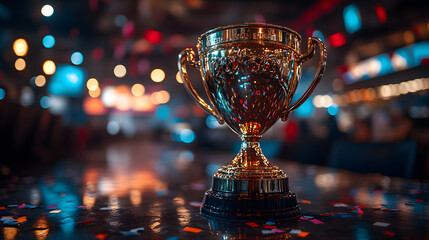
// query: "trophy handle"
[[188, 55], [312, 41]]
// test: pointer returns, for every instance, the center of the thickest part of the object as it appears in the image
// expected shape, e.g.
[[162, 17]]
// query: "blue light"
[[187, 136], [120, 20], [48, 41], [162, 112], [44, 102], [211, 122], [319, 34], [2, 93], [76, 58], [67, 81], [352, 20], [333, 109], [306, 109]]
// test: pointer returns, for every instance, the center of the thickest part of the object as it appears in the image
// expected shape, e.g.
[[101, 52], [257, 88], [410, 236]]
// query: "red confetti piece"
[[389, 233], [419, 200], [2, 208], [252, 224], [303, 234], [269, 226], [278, 230], [326, 214], [21, 219], [303, 218], [191, 229], [102, 235], [305, 201], [86, 222], [52, 206], [316, 221]]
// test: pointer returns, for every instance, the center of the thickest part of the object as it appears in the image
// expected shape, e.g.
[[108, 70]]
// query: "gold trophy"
[[250, 73]]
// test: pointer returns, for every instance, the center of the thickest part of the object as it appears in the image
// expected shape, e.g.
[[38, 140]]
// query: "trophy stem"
[[250, 155]]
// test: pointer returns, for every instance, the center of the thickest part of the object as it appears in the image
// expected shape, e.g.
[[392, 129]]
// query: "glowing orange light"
[[95, 93], [93, 106], [40, 81], [20, 47], [49, 67], [137, 90], [157, 75], [92, 84], [179, 78], [20, 64]]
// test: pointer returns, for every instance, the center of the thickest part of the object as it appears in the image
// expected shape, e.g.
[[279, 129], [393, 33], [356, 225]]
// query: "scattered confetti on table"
[[191, 229], [252, 224], [381, 224]]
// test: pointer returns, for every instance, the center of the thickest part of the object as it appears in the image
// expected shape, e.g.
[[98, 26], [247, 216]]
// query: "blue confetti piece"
[[173, 238], [10, 223], [161, 192], [270, 223]]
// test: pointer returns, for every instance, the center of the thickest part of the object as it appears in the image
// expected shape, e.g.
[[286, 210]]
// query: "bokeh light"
[[137, 89], [20, 47], [187, 135], [92, 84], [48, 41], [108, 96], [20, 64], [120, 20], [40, 81], [2, 93], [76, 58], [44, 102], [160, 97], [49, 67], [153, 36], [95, 93], [120, 71], [157, 75], [47, 10], [113, 128], [162, 112], [179, 78]]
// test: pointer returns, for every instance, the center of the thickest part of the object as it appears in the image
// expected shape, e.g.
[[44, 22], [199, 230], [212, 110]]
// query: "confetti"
[[102, 236], [21, 219], [252, 224], [269, 226], [21, 206], [278, 230], [191, 229], [55, 211], [340, 205], [270, 223], [389, 233], [358, 211], [105, 208], [161, 192], [10, 223], [30, 206], [308, 217], [129, 233], [302, 218], [305, 201], [51, 206], [381, 224], [6, 218], [86, 222], [390, 209], [2, 208], [419, 200], [295, 231], [303, 234], [82, 207], [173, 238], [196, 204], [316, 221], [267, 231]]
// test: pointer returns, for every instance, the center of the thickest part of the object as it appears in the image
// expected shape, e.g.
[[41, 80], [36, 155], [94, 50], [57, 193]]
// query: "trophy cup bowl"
[[250, 73]]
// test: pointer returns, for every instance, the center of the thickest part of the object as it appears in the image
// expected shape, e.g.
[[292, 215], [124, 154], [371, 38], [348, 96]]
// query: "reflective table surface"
[[146, 190]]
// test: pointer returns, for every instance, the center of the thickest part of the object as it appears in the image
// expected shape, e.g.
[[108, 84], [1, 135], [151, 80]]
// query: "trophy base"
[[250, 199]]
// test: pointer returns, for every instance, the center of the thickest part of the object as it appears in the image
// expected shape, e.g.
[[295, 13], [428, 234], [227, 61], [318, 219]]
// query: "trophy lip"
[[249, 24]]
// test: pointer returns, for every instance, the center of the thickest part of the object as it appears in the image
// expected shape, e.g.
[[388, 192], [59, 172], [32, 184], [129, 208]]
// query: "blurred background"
[[80, 74]]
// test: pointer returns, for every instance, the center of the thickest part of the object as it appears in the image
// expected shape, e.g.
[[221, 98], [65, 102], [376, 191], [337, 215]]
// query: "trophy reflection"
[[250, 73]]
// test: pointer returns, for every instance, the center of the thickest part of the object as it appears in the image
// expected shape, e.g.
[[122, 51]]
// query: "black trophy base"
[[243, 207]]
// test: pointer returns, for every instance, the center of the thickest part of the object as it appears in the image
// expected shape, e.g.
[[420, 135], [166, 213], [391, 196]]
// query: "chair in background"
[[391, 159]]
